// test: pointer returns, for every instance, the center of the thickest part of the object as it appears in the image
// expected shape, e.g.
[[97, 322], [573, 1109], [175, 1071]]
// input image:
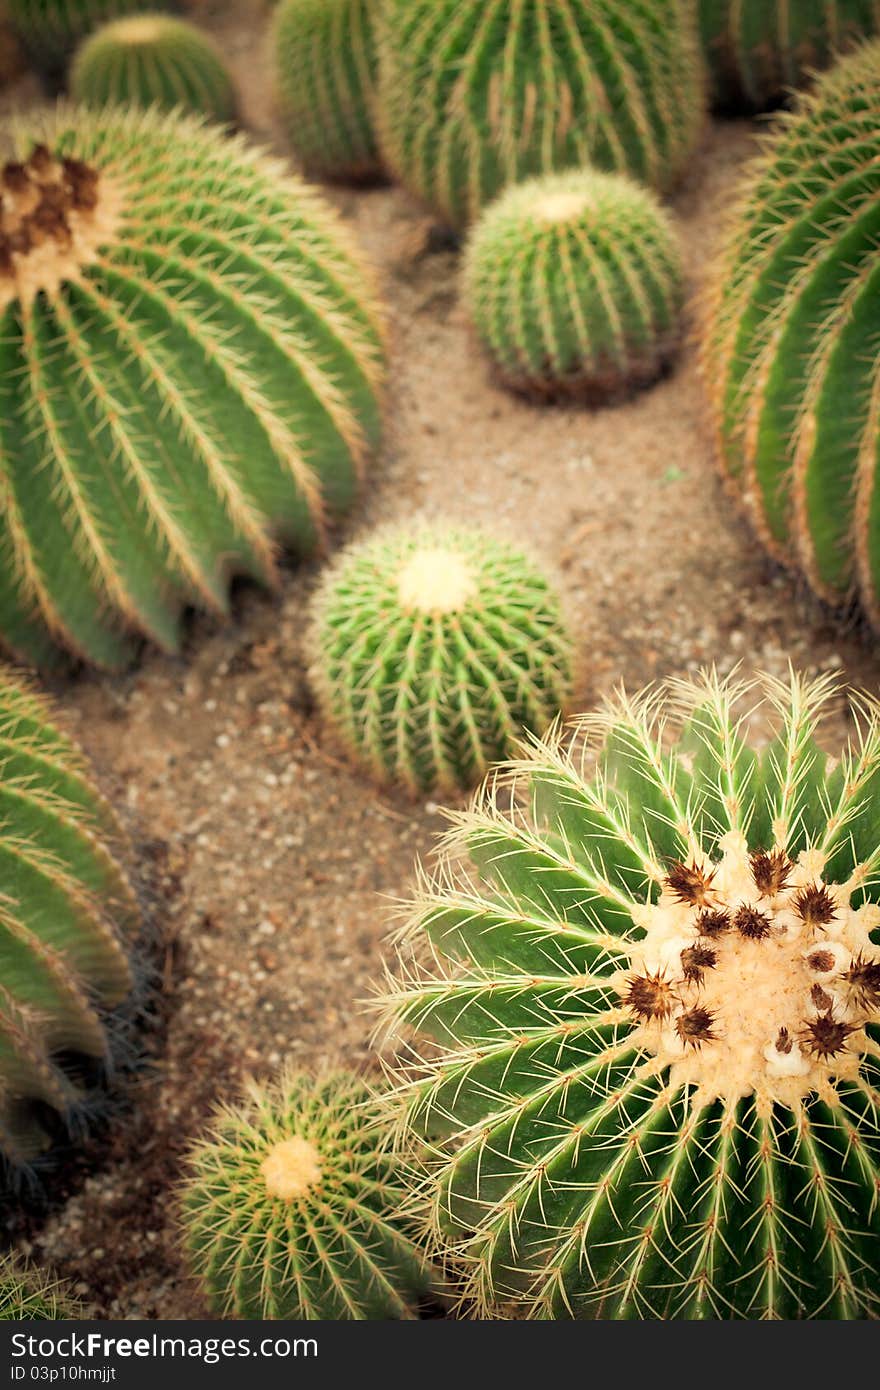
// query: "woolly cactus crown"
[[51, 29], [652, 990]]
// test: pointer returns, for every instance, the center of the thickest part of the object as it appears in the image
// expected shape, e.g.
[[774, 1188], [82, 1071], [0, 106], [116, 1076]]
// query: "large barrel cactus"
[[189, 364], [51, 29], [473, 96], [758, 50], [68, 920], [649, 976], [792, 342]]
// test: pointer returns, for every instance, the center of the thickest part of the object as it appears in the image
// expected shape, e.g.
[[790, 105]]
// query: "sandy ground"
[[273, 861]]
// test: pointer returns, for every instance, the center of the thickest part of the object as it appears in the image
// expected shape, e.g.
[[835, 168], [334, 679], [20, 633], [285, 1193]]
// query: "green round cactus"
[[792, 340], [68, 919], [153, 59], [574, 284], [51, 29], [190, 362], [27, 1294], [292, 1208], [758, 50], [325, 66], [649, 974], [472, 99], [434, 649]]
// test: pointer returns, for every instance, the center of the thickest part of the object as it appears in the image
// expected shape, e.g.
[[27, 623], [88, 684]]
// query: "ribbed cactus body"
[[792, 341], [190, 363], [153, 59], [473, 97], [51, 29], [292, 1208], [325, 69], [758, 50], [574, 285], [649, 976], [27, 1294], [67, 918], [434, 649]]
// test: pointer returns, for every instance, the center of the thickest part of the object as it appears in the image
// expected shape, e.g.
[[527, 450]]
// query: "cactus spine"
[[67, 920], [325, 65], [574, 284], [757, 50], [190, 363], [292, 1208], [29, 1295], [652, 994], [51, 29], [472, 98], [792, 340], [153, 59], [434, 647]]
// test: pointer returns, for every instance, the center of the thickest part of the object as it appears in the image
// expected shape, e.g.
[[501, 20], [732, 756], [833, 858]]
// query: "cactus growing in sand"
[[434, 648], [51, 29], [649, 973], [68, 918], [292, 1208], [472, 98], [190, 362], [792, 339], [153, 59], [27, 1294], [574, 284], [325, 71], [757, 50]]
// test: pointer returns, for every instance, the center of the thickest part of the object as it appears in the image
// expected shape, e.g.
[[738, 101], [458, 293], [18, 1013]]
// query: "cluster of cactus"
[[325, 65], [293, 1208], [27, 1294], [51, 29], [574, 284], [68, 921], [190, 361], [434, 648], [652, 991], [758, 50], [474, 98], [153, 59], [792, 342]]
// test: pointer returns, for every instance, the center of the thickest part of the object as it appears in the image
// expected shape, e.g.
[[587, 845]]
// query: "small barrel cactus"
[[153, 59], [758, 50], [27, 1294], [292, 1208], [652, 994], [472, 99], [792, 336], [51, 29], [325, 66], [190, 362], [68, 920], [434, 648], [574, 284]]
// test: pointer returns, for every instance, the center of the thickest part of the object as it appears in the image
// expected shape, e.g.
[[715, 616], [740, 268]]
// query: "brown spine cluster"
[[37, 200]]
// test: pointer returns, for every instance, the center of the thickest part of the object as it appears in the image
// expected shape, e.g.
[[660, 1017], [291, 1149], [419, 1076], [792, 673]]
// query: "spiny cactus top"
[[67, 918], [292, 1208], [153, 59], [434, 647], [574, 284], [652, 986], [325, 65], [473, 97], [27, 1294], [792, 342], [189, 366], [51, 29], [757, 50]]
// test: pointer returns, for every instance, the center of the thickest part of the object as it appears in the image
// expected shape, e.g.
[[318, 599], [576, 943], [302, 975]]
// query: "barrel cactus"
[[649, 973], [292, 1208], [68, 922], [574, 284], [325, 66], [433, 648], [51, 29], [474, 98], [792, 341], [153, 59], [190, 361], [27, 1294], [758, 50]]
